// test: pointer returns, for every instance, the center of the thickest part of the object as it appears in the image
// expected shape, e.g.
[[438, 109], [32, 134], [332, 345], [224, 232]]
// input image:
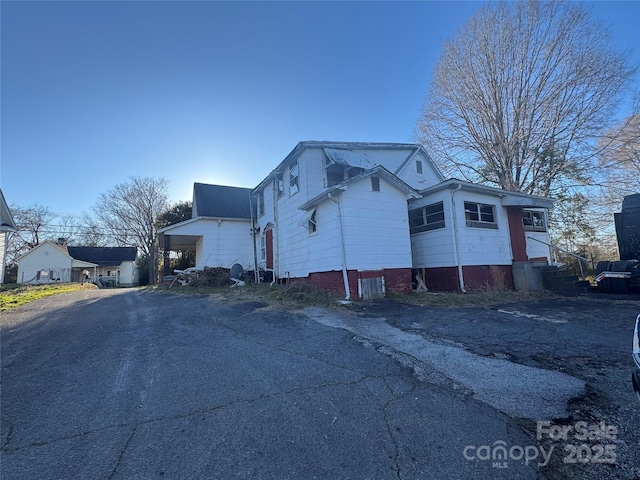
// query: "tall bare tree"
[[129, 212], [33, 227], [520, 94]]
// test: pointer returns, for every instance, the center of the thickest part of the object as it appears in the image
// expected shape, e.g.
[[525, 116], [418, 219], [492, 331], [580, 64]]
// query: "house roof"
[[377, 170], [508, 198], [355, 154], [103, 256], [221, 201], [7, 224], [63, 249]]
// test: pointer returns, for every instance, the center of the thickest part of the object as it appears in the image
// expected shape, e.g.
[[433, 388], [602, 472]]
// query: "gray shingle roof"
[[221, 201], [103, 256]]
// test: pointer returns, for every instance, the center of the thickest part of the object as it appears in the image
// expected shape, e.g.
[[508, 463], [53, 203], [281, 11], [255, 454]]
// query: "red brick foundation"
[[396, 280], [476, 278]]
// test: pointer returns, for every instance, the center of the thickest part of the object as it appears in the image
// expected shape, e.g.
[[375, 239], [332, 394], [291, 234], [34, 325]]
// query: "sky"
[[93, 93]]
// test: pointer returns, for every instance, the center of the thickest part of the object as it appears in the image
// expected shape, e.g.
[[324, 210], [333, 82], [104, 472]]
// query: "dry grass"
[[488, 297]]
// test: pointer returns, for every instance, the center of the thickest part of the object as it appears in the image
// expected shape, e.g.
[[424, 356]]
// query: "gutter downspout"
[[345, 277], [256, 273], [456, 242]]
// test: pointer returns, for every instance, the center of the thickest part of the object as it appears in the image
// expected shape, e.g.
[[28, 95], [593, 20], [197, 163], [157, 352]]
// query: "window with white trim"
[[426, 218], [419, 167], [375, 184], [479, 215], [263, 248], [279, 185], [534, 221], [261, 203], [312, 224], [294, 185]]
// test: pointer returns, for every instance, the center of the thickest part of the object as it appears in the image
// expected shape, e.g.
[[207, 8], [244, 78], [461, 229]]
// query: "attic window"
[[294, 185], [419, 167], [375, 184]]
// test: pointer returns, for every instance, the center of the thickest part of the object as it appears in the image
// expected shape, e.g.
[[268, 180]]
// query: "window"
[[293, 179], [533, 221], [263, 247], [313, 226], [426, 218], [479, 215], [419, 167], [279, 185], [375, 184], [261, 203]]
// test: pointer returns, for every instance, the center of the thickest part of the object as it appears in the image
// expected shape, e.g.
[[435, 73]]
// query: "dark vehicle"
[[635, 376], [623, 276]]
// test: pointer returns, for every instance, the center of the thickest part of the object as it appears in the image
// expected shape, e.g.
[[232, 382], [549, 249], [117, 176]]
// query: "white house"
[[336, 215], [220, 230], [467, 236], [51, 262], [363, 218], [7, 224]]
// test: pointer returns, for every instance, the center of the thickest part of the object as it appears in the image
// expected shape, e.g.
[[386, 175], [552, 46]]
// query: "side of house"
[[114, 266], [220, 230], [48, 262], [468, 237], [335, 215], [7, 224]]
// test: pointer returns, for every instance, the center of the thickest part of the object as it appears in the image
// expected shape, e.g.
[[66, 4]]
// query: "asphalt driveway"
[[132, 384]]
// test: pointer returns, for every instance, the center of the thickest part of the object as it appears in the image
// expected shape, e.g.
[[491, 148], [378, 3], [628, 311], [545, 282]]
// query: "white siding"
[[44, 257], [419, 181], [376, 227], [434, 248], [483, 246], [223, 243]]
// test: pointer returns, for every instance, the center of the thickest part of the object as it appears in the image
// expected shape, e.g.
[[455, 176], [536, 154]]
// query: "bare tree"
[[619, 158], [519, 95], [32, 228], [129, 211]]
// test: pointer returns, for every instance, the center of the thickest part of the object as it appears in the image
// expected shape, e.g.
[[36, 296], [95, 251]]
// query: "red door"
[[268, 236]]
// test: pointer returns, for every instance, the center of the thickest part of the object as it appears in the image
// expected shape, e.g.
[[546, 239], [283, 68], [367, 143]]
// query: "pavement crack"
[[122, 452]]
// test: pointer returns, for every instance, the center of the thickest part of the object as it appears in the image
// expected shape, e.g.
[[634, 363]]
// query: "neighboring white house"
[[7, 224], [51, 262], [363, 218], [220, 230]]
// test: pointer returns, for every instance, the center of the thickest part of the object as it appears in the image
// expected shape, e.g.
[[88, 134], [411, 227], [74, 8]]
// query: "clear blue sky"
[[214, 92]]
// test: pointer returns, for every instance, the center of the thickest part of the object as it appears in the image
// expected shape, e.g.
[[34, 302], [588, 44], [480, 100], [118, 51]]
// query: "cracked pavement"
[[130, 384]]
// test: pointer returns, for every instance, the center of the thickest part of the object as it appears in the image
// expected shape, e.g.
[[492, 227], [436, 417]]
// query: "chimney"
[[62, 241]]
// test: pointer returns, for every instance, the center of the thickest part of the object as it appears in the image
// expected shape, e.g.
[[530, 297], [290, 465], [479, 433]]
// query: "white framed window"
[[419, 167], [294, 181], [263, 247], [279, 185], [375, 184], [480, 215], [427, 218], [312, 224], [534, 221], [261, 203]]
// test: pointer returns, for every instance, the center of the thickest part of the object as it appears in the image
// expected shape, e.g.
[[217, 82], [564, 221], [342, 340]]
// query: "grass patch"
[[14, 295], [472, 299], [286, 297]]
